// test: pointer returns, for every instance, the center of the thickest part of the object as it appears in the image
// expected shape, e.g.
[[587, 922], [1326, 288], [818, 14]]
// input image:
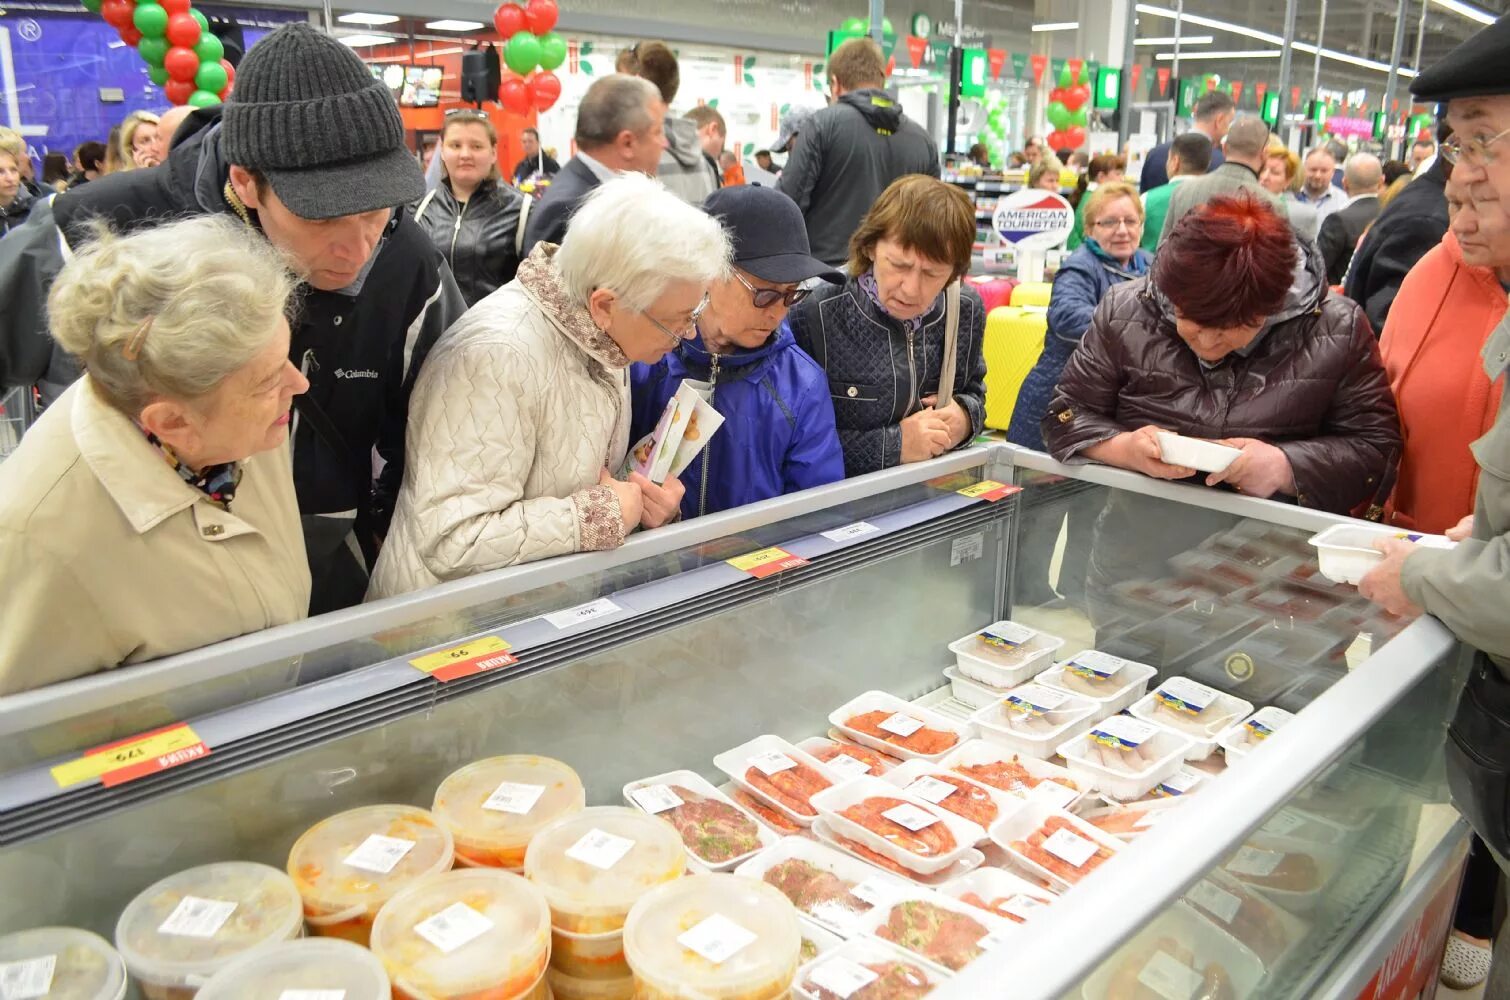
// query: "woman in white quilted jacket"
[[522, 408]]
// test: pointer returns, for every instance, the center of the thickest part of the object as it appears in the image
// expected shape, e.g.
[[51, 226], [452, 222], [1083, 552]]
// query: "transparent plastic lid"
[[720, 937], [60, 963], [359, 859], [593, 865], [316, 965], [493, 807], [473, 931], [188, 926]]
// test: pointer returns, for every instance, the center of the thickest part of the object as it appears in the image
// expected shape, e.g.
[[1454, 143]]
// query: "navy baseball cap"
[[769, 234]]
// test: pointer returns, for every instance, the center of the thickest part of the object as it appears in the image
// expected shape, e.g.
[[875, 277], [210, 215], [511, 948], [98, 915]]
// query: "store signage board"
[[766, 562], [1411, 967], [133, 758], [1032, 219], [989, 490], [474, 657]]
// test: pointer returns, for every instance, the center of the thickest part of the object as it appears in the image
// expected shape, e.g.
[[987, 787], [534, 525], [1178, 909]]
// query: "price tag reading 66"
[[475, 657]]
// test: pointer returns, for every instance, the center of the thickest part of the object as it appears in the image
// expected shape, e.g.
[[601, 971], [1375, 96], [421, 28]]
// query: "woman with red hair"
[[1233, 337]]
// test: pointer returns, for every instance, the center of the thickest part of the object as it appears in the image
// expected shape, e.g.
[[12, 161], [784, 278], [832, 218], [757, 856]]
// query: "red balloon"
[[130, 36], [182, 64], [545, 87], [541, 15], [178, 91], [183, 30], [117, 13], [508, 19], [1058, 140], [1075, 135], [230, 76], [174, 6], [1057, 94], [1075, 97], [515, 96]]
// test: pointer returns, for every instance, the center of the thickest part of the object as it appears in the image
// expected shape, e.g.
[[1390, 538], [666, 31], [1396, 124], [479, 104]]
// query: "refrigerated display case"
[[1289, 873]]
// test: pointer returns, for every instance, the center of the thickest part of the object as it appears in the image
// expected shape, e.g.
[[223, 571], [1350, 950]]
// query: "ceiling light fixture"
[[1243, 54], [1184, 40], [1465, 10], [1058, 26], [365, 41], [450, 24], [367, 19]]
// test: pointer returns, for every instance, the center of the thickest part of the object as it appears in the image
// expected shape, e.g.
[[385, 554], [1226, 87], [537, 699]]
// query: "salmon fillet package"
[[686, 425]]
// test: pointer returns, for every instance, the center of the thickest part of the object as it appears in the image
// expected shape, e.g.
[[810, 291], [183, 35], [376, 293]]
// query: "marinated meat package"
[[1248, 918], [967, 800], [1008, 775], [818, 893], [1166, 970], [941, 935], [770, 817], [922, 740], [792, 787], [869, 856], [833, 754], [714, 832], [931, 841], [1287, 871], [1058, 846], [893, 981], [1014, 908]]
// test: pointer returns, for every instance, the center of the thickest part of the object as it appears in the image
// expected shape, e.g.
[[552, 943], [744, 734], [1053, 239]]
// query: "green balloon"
[[855, 26], [152, 50], [209, 49], [886, 28], [1078, 117], [552, 51], [204, 24], [1065, 80], [211, 77], [93, 6], [203, 99], [522, 53], [1058, 115], [150, 19], [157, 74]]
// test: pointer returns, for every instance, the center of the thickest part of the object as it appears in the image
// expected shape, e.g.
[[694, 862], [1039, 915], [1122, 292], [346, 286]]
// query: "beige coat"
[[108, 557], [517, 411]]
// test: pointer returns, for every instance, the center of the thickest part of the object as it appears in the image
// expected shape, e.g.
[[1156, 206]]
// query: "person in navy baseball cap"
[[778, 434]]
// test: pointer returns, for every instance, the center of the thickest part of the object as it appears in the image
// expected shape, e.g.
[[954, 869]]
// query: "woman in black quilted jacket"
[[880, 336]]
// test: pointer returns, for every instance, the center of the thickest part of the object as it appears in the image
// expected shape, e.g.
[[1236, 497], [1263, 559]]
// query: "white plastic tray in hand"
[[981, 662], [905, 714], [639, 794], [1218, 712], [910, 778], [1032, 718], [1248, 735], [1347, 553], [1160, 751], [968, 862], [1125, 684], [1055, 785], [1019, 896], [1025, 822], [832, 803], [1195, 453], [871, 882], [997, 930], [764, 750], [844, 972]]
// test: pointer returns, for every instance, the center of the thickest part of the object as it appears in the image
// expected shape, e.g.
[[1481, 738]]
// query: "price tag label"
[[312, 995], [1070, 847], [130, 759], [717, 939], [989, 490], [1007, 634], [968, 548], [600, 849], [851, 531], [841, 977], [28, 979], [847, 766], [1035, 699], [1181, 694], [901, 725], [474, 657], [379, 854], [456, 925], [911, 817], [1282, 824], [873, 891], [511, 797], [931, 789], [591, 611], [1215, 900], [1169, 977], [1023, 907], [1057, 795], [1095, 665], [1255, 862], [198, 918], [772, 762], [1180, 783], [767, 562], [656, 798], [1123, 732]]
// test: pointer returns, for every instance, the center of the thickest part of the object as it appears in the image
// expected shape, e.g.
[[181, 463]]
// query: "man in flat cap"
[[1468, 588], [309, 151]]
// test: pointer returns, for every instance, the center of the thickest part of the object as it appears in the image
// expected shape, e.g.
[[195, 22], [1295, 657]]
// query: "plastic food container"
[[1128, 822], [968, 861], [1267, 931], [1347, 553], [713, 937], [898, 728], [180, 931], [864, 968], [1111, 683], [717, 833], [939, 930], [1004, 654], [348, 866], [976, 801], [1027, 778], [848, 760], [943, 836], [1294, 876], [827, 886], [1243, 738], [61, 963], [816, 940], [564, 987], [780, 774], [315, 965], [1125, 758], [972, 694], [1176, 952], [1001, 894], [1191, 708], [1054, 845], [493, 807], [470, 933], [1032, 719], [1195, 453]]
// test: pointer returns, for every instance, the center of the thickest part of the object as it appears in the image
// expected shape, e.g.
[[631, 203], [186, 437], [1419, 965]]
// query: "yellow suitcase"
[[1033, 293], [1014, 340]]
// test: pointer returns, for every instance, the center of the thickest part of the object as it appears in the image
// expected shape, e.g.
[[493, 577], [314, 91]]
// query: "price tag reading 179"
[[117, 763]]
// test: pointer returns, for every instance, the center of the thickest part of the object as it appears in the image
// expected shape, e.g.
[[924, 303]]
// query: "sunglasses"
[[764, 298]]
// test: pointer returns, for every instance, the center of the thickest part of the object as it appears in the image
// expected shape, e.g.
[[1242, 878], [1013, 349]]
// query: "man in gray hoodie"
[[684, 169]]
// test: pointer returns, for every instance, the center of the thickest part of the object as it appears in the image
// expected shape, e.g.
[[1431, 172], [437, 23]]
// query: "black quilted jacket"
[[877, 373]]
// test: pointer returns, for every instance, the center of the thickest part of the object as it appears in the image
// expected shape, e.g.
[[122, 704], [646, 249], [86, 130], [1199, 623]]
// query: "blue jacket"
[[1079, 287], [778, 435]]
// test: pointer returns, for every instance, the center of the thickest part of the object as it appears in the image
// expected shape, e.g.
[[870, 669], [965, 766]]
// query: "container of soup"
[[494, 807], [313, 969], [60, 963]]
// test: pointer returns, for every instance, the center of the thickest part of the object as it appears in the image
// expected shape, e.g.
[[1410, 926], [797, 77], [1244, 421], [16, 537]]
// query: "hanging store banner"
[[1410, 970], [1056, 68], [1163, 74], [917, 48], [998, 59], [1019, 64], [1137, 76], [1237, 91], [1260, 89], [1076, 66], [1040, 63], [1294, 98]]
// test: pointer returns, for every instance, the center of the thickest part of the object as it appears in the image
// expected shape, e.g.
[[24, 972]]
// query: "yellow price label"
[[766, 562], [989, 490], [132, 757], [474, 657]]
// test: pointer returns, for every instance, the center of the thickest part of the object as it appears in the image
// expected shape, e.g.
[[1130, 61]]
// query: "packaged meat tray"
[[717, 937], [1267, 931], [73, 964], [1054, 844], [1177, 955], [1248, 735], [968, 861], [773, 819], [1108, 682], [493, 807], [1124, 758], [827, 886], [1001, 894], [1261, 664], [1128, 822], [323, 965], [1226, 576], [866, 969], [913, 833], [972, 694], [848, 760], [940, 930], [1261, 556], [180, 931], [1032, 719], [1026, 778], [1289, 602], [468, 933], [979, 803], [1186, 780], [717, 833], [899, 728], [778, 773], [1292, 876], [816, 940], [1193, 709], [1004, 654]]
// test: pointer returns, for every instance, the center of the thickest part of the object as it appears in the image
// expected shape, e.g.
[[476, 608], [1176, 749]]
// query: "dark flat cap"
[[1474, 69]]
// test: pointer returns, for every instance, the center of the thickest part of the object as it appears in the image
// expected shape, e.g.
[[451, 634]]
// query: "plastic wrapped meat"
[[1247, 918], [932, 841], [865, 854], [1036, 849], [1168, 969], [942, 936], [1006, 907], [878, 762], [894, 981], [969, 800], [1009, 776], [923, 741], [713, 831], [770, 817], [791, 788], [814, 891]]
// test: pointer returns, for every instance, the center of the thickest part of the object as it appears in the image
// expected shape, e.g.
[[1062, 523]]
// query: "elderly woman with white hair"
[[151, 509], [521, 413]]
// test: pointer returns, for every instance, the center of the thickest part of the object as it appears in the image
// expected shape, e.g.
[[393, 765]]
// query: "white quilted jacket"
[[518, 409]]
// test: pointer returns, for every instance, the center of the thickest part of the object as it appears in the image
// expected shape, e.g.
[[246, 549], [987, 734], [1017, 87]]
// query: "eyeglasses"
[[764, 298], [1112, 225], [686, 332], [1475, 150]]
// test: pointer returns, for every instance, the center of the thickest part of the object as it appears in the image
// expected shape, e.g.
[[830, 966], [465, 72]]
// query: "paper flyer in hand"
[[685, 427]]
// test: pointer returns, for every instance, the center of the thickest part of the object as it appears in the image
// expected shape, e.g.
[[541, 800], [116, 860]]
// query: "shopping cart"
[[18, 408]]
